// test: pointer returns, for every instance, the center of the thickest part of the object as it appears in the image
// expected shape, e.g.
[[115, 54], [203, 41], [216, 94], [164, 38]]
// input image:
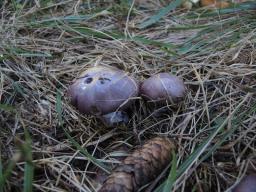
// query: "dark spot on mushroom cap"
[[101, 90], [247, 184], [163, 86], [88, 80], [103, 80]]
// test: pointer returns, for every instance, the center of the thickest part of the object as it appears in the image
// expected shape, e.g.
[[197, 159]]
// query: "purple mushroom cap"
[[163, 87], [101, 90], [247, 184]]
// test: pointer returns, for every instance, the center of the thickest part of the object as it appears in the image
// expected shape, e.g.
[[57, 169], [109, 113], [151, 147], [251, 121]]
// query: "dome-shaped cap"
[[163, 86], [101, 90], [247, 184]]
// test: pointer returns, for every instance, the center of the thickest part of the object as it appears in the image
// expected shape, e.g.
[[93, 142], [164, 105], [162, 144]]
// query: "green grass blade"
[[8, 170], [172, 176], [5, 173], [89, 32], [118, 36], [1, 175], [187, 27], [28, 177], [68, 19], [162, 12], [29, 167], [86, 153], [30, 54], [74, 143], [18, 88], [195, 156], [26, 53], [59, 107], [6, 107], [209, 33], [192, 158], [236, 122]]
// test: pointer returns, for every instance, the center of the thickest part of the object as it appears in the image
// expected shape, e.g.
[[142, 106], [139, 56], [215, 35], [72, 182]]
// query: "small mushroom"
[[188, 4], [163, 87], [247, 184], [102, 90]]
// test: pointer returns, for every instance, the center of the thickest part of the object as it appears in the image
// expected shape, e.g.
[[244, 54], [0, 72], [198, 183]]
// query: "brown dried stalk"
[[140, 167]]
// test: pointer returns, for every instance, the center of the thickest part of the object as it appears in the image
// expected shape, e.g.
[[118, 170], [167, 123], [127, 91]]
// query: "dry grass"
[[42, 51]]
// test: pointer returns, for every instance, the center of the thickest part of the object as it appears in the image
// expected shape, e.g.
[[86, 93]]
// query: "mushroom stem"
[[114, 118]]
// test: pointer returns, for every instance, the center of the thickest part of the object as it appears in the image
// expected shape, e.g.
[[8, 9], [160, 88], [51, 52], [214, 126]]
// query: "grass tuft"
[[46, 145]]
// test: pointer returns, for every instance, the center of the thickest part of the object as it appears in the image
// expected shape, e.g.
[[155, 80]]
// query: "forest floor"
[[47, 145]]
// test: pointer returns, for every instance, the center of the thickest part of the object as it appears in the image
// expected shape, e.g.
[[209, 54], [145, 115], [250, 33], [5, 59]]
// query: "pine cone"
[[140, 167]]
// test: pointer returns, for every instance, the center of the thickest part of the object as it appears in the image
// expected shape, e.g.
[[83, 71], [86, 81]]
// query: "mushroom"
[[247, 184], [103, 91], [163, 87], [188, 4]]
